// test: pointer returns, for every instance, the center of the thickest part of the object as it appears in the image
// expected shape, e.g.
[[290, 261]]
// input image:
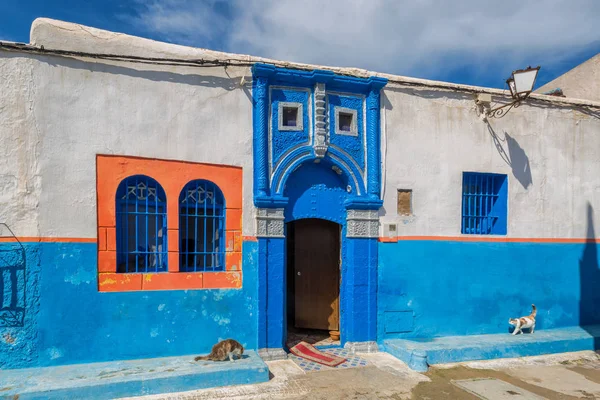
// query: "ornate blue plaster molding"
[[285, 76], [363, 203], [296, 158], [268, 190], [354, 208]]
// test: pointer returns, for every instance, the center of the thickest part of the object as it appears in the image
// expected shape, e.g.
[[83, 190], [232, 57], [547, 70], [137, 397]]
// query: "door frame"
[[358, 275], [355, 206]]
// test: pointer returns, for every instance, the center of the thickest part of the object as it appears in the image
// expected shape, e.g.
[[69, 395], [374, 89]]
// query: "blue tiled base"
[[418, 353], [352, 360], [329, 346], [109, 380]]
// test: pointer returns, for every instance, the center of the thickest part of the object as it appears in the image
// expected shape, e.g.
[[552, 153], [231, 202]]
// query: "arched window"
[[201, 227], [141, 225]]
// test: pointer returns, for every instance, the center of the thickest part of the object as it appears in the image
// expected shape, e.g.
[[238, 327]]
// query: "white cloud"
[[181, 21], [409, 37]]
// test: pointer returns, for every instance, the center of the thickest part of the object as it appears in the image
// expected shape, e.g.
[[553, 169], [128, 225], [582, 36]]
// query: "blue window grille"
[[141, 225], [484, 203], [201, 227]]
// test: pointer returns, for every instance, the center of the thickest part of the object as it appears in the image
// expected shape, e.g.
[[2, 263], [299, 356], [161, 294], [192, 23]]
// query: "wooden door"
[[317, 274]]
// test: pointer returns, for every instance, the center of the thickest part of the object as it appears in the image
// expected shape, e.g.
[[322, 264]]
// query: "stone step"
[[419, 353], [110, 380]]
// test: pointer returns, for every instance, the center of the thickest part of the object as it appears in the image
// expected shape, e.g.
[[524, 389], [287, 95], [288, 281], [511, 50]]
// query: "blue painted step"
[[109, 380], [418, 353]]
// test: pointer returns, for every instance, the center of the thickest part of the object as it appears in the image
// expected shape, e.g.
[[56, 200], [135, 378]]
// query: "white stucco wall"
[[20, 179], [57, 113], [552, 158], [94, 109]]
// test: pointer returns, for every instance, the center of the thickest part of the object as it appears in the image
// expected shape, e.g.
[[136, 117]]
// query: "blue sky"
[[476, 42]]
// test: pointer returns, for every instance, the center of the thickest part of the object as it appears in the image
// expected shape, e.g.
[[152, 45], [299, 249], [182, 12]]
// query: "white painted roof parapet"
[[60, 35]]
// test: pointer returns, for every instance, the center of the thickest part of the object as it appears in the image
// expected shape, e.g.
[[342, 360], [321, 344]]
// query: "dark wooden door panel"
[[317, 274]]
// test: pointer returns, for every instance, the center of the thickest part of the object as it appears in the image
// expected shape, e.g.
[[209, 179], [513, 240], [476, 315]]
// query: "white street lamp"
[[520, 84]]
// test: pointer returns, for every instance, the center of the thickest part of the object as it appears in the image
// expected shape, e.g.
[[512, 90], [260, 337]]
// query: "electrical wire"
[[202, 63], [126, 58]]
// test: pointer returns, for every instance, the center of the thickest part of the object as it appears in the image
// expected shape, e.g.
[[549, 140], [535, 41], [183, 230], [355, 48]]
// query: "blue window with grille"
[[201, 227], [484, 203], [141, 212]]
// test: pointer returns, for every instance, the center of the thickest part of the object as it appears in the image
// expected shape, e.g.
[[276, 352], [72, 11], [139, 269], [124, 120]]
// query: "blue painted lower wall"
[[68, 321], [424, 289], [441, 288]]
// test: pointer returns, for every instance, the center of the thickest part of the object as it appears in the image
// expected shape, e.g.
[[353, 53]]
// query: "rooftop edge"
[[50, 35]]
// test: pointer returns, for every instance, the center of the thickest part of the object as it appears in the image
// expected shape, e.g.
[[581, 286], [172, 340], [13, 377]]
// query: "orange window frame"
[[172, 176]]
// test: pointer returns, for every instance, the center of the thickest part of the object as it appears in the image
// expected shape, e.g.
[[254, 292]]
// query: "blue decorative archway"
[[314, 170]]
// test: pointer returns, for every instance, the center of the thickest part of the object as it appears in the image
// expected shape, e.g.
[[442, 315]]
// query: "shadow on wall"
[[12, 281], [516, 157], [586, 110], [589, 278], [519, 162]]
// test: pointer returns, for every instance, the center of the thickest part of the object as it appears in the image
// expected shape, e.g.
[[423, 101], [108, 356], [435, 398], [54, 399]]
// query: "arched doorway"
[[317, 172], [313, 278], [318, 190]]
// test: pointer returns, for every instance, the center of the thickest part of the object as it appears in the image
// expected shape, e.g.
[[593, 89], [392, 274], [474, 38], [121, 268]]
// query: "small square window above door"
[[290, 116], [345, 121]]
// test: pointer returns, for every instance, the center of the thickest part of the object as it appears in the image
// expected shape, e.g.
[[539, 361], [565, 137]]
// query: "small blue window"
[[484, 203], [201, 227], [141, 225]]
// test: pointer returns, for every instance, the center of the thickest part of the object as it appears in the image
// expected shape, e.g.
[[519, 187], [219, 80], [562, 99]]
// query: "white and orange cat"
[[524, 322]]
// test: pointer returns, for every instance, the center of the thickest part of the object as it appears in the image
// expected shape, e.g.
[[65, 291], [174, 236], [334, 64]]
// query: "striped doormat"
[[309, 352]]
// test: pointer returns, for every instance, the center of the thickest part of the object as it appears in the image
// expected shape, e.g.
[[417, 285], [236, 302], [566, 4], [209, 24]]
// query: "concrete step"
[[419, 353], [110, 380]]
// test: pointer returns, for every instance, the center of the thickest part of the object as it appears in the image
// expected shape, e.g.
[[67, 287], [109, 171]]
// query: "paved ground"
[[566, 376]]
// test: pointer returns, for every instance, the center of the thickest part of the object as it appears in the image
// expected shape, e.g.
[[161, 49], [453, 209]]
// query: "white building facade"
[[424, 219]]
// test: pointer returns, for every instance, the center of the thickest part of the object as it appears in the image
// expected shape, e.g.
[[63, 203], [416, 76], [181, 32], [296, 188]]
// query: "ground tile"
[[495, 389]]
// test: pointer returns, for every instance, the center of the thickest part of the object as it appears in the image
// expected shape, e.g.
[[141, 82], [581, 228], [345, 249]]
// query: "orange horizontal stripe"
[[36, 239], [47, 239], [29, 239], [488, 239]]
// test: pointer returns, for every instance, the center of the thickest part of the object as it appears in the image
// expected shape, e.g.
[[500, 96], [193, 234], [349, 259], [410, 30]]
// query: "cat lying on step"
[[223, 350], [524, 322]]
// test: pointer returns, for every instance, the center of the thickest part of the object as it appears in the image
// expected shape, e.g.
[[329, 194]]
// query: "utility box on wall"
[[390, 230]]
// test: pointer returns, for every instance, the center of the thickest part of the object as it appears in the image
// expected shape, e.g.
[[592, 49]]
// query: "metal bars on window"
[[141, 225], [201, 227], [480, 194]]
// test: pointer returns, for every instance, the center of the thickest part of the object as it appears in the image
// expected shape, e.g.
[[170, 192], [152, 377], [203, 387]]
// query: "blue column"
[[373, 144], [276, 299], [262, 292], [260, 115], [359, 290], [272, 289]]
